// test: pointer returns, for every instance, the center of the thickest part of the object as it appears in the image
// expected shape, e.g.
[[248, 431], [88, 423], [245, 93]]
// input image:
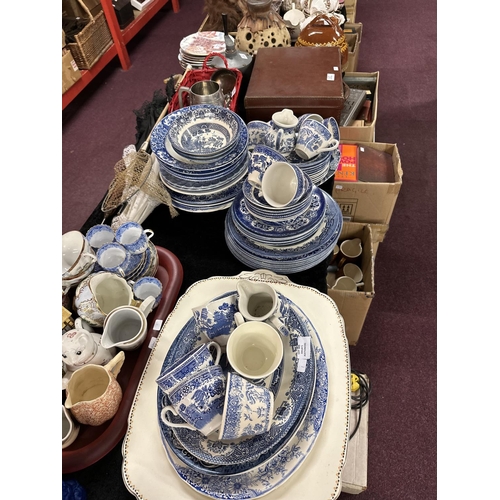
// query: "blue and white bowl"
[[203, 130]]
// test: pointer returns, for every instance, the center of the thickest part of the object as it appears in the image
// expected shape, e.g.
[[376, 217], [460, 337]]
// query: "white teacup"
[[199, 401], [248, 408], [354, 272], [197, 359], [218, 318], [314, 138], [126, 327], [281, 184], [254, 349], [133, 237], [77, 254]]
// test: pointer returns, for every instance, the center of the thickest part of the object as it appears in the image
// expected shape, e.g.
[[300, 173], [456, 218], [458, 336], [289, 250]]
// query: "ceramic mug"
[[354, 272], [349, 251], [126, 327], [93, 394], [218, 318], [248, 408], [254, 349], [197, 359], [99, 235], [133, 237], [199, 401], [282, 184], [258, 301], [345, 284], [308, 116], [257, 132], [202, 92], [314, 138]]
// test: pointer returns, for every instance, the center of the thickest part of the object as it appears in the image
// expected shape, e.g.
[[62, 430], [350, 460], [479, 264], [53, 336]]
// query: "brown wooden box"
[[303, 79]]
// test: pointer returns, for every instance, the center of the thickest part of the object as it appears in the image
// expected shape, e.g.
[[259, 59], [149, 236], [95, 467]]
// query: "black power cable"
[[360, 400]]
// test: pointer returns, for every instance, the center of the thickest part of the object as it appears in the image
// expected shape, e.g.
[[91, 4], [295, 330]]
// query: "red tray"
[[93, 443]]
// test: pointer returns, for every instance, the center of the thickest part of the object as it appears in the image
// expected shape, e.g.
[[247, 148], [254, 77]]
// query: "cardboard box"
[[70, 71], [370, 202], [353, 33], [354, 306], [350, 7], [365, 133], [303, 79]]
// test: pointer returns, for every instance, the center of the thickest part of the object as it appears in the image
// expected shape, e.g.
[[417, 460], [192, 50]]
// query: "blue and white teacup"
[[194, 361], [147, 286], [133, 237], [313, 138], [218, 318], [199, 401], [257, 132], [115, 258], [248, 408], [99, 235]]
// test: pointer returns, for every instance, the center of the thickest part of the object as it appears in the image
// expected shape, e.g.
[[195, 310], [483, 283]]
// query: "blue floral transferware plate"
[[280, 232], [277, 469], [292, 389]]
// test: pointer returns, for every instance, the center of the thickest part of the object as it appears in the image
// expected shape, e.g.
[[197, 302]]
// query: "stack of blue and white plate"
[[203, 155], [286, 239]]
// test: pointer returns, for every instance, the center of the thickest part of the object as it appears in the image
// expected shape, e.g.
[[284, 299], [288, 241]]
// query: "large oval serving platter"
[[293, 390], [278, 469]]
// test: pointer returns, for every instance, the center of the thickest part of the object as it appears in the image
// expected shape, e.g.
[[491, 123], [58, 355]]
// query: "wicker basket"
[[92, 41]]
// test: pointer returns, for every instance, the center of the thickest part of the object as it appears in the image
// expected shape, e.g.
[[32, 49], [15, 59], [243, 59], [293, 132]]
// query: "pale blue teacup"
[[133, 237], [115, 258]]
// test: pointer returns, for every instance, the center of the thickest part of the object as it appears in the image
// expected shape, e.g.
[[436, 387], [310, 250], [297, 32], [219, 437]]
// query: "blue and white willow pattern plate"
[[287, 259], [277, 469], [292, 393], [280, 232]]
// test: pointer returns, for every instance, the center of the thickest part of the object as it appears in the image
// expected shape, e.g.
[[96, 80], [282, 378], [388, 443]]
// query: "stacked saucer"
[[202, 152], [285, 239], [195, 47]]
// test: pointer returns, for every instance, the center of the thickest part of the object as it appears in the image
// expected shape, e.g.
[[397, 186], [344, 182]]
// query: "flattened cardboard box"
[[370, 202], [354, 306], [365, 133], [353, 33], [303, 79], [70, 71]]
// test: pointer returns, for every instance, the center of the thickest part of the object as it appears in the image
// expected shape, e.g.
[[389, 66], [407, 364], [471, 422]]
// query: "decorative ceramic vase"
[[261, 27], [324, 31]]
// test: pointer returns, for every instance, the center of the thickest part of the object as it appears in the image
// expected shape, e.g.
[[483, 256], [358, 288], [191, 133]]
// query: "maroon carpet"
[[397, 347]]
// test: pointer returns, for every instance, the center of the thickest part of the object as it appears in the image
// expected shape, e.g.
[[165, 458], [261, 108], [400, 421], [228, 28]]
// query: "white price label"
[[335, 68], [304, 345], [152, 342], [157, 325], [330, 76], [339, 187], [301, 365]]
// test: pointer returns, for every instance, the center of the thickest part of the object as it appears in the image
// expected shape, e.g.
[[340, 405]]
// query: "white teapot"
[[81, 346]]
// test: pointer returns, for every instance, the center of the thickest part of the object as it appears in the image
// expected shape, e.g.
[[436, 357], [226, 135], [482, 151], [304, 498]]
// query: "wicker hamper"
[[91, 43]]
